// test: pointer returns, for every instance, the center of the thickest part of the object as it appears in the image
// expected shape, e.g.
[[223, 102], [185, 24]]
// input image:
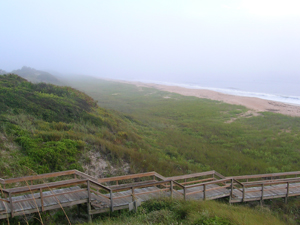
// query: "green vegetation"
[[46, 128], [166, 211], [194, 134]]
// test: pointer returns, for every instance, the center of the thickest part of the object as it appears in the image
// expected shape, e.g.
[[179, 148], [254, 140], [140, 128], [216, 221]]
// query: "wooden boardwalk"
[[39, 193]]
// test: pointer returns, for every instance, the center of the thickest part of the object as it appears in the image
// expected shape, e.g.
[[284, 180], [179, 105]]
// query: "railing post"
[[42, 201], [231, 191], [262, 194], [133, 199], [243, 193], [89, 201], [287, 191], [204, 191], [111, 201], [11, 206], [184, 193], [171, 189], [133, 196]]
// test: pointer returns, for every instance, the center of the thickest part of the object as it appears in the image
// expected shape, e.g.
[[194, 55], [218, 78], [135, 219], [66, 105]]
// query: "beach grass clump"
[[167, 211], [193, 134]]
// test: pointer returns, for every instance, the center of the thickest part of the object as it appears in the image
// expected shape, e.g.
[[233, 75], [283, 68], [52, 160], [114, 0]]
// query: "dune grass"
[[166, 211], [193, 135]]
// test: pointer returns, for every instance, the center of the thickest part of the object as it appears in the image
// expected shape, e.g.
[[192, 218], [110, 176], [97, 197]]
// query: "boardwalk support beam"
[[171, 189], [89, 202], [262, 194], [287, 191], [111, 201]]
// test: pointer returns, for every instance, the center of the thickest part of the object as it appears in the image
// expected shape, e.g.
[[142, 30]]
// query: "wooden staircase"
[[39, 193]]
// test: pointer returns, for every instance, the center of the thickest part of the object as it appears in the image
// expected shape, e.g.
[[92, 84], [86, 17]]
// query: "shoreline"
[[252, 103]]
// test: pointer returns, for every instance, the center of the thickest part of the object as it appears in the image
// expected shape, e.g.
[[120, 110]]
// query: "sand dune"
[[255, 104]]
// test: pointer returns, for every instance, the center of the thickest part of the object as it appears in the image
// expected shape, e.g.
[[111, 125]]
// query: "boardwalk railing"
[[260, 190], [269, 176], [25, 195]]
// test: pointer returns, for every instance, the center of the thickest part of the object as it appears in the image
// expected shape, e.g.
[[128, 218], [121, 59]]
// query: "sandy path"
[[256, 104]]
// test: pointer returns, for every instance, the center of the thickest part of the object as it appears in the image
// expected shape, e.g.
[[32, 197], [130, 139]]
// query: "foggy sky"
[[154, 39]]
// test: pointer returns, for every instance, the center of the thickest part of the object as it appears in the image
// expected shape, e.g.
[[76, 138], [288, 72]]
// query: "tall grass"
[[166, 211]]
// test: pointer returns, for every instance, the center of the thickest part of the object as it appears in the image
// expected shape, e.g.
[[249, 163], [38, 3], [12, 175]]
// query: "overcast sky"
[[154, 39]]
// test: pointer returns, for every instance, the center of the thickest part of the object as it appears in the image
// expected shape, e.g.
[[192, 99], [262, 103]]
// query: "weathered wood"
[[111, 201], [219, 175], [36, 187], [197, 181], [89, 201], [131, 184], [38, 177], [119, 196], [126, 177], [269, 175], [11, 206], [42, 200], [210, 189], [193, 175], [171, 189], [211, 182], [262, 194], [85, 176], [287, 191], [142, 185]]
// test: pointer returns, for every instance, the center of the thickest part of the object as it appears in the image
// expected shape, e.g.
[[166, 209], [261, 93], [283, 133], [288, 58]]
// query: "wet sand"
[[255, 104]]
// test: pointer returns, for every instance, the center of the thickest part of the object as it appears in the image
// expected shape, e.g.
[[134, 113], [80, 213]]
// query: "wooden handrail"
[[238, 182], [36, 187], [209, 189], [178, 184], [272, 181], [257, 183], [211, 182], [219, 175], [191, 175], [130, 184], [126, 177], [85, 176], [197, 181], [101, 185], [266, 175], [142, 185], [39, 176]]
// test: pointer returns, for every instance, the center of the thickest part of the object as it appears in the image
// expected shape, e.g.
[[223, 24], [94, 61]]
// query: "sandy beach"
[[254, 104]]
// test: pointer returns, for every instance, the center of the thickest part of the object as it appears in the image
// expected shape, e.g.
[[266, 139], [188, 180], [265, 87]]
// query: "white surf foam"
[[295, 100]]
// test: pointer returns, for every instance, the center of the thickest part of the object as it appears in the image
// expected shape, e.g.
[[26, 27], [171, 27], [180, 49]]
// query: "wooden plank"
[[148, 192], [269, 175], [36, 187], [219, 175], [190, 175], [40, 176], [197, 181], [130, 184], [143, 185], [126, 177], [211, 182]]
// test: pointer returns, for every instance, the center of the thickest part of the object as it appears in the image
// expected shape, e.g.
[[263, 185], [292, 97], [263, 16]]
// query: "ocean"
[[286, 92]]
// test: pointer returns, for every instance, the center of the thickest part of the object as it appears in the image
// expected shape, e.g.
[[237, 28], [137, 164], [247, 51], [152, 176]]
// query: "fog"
[[165, 40]]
